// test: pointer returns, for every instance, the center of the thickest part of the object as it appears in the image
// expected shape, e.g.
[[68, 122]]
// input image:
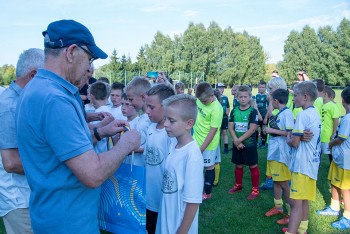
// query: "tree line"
[[216, 55]]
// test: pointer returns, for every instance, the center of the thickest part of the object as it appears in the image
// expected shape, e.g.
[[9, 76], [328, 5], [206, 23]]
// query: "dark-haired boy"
[[206, 132], [116, 97], [261, 101], [278, 156]]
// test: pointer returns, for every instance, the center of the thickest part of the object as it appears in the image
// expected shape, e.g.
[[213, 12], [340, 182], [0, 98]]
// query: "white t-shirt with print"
[[305, 159], [182, 184], [278, 149], [156, 151], [341, 153]]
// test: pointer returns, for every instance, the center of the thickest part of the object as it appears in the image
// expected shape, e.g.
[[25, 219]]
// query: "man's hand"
[[107, 119], [307, 135], [113, 128], [97, 116], [131, 140]]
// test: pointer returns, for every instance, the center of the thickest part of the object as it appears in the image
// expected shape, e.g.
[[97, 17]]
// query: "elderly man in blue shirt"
[[55, 142]]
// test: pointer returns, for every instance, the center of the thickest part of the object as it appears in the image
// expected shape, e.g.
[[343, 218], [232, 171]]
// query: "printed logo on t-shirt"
[[153, 157], [241, 127], [169, 184]]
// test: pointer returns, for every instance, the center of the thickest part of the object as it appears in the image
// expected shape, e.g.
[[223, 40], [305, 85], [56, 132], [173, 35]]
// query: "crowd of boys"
[[175, 136]]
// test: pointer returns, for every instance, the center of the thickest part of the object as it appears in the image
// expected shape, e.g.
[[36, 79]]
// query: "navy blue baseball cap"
[[64, 33]]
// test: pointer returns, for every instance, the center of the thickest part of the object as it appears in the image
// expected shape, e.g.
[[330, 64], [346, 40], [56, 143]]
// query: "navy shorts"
[[247, 156]]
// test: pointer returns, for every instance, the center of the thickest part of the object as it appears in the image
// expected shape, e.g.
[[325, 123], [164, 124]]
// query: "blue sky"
[[126, 25]]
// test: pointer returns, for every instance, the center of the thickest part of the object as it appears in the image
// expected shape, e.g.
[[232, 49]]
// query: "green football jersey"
[[241, 120]]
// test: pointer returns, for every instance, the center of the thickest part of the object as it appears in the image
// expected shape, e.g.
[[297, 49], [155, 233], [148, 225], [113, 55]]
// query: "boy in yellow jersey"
[[339, 172], [207, 131], [305, 157], [330, 120], [318, 103]]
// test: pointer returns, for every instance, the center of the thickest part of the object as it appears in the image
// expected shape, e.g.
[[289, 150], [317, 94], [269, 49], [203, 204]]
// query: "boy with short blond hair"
[[305, 157], [206, 131], [330, 120], [243, 124], [183, 170], [129, 111], [156, 151], [136, 91]]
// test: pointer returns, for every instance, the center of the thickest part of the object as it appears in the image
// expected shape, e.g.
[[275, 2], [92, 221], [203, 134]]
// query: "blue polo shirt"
[[50, 130]]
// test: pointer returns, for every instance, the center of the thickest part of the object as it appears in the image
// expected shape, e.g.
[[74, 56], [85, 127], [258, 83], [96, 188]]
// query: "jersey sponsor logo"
[[294, 190], [169, 184], [241, 127], [276, 174], [153, 157]]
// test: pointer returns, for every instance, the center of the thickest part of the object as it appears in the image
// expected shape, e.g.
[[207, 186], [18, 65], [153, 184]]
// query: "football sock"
[[217, 173], [288, 209], [346, 214], [239, 175], [335, 205], [255, 176], [303, 226], [209, 179], [278, 204]]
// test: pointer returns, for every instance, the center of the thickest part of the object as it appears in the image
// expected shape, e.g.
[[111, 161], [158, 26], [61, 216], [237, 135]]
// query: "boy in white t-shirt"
[[130, 113], [99, 93], [305, 157], [156, 151], [136, 91], [183, 172]]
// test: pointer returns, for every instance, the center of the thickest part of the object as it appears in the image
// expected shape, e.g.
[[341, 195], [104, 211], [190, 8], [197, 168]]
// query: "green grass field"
[[226, 213]]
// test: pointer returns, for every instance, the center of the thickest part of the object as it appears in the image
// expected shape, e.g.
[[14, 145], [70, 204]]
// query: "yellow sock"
[[288, 209], [217, 173], [303, 227], [335, 205], [346, 214], [278, 204]]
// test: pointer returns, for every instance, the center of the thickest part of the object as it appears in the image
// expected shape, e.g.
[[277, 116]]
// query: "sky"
[[126, 25]]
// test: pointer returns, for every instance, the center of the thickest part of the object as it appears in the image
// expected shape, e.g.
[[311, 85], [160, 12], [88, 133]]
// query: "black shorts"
[[247, 156], [224, 123]]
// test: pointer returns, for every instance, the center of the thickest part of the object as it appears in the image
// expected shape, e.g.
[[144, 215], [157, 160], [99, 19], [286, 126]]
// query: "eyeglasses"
[[88, 53]]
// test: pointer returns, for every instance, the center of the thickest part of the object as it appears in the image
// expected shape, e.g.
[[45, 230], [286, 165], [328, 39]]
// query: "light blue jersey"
[[305, 159], [278, 149], [341, 153]]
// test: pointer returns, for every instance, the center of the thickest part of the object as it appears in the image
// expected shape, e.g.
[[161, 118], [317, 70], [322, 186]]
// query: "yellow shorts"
[[278, 171], [339, 177], [302, 187]]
